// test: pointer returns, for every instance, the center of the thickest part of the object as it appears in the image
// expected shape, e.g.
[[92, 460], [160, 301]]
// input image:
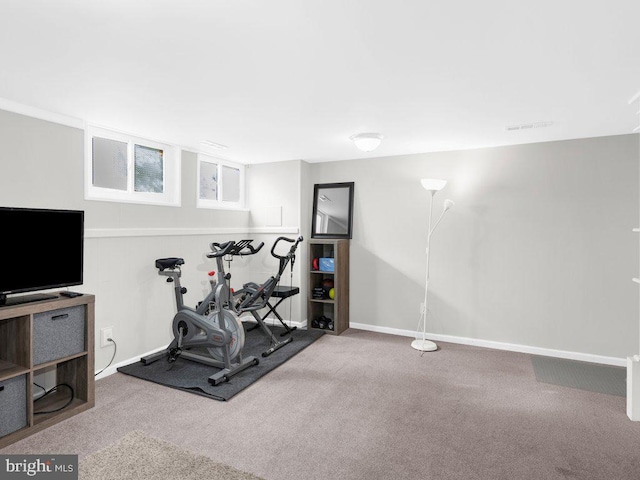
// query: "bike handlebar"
[[252, 250], [241, 248], [220, 250], [291, 250]]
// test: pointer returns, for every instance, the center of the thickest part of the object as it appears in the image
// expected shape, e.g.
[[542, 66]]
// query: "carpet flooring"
[[137, 456], [365, 405]]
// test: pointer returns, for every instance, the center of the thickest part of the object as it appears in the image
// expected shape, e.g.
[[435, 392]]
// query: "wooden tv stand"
[[44, 336]]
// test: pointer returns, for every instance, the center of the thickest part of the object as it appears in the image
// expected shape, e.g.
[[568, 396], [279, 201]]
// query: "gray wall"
[[276, 186], [538, 250], [42, 165]]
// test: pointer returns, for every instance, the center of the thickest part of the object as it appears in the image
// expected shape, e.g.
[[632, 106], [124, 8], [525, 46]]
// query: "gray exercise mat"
[[193, 377], [582, 375]]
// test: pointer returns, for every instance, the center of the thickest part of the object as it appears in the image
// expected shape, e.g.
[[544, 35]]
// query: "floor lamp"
[[432, 185]]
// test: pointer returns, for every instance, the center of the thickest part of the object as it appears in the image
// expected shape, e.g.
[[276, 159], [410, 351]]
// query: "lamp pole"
[[432, 186], [425, 345]]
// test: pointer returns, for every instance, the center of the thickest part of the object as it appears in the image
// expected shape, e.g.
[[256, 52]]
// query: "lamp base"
[[424, 345]]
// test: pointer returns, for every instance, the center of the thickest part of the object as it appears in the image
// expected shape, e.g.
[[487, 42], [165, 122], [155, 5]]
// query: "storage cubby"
[[49, 335], [14, 333], [324, 313]]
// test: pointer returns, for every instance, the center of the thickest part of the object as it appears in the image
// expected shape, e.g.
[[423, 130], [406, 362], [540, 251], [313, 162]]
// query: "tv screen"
[[41, 249]]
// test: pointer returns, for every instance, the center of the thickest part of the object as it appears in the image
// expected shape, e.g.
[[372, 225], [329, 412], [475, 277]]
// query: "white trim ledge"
[[546, 352], [34, 112], [172, 232]]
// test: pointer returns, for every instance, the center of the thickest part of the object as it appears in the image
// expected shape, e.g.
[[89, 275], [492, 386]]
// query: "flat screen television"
[[41, 249]]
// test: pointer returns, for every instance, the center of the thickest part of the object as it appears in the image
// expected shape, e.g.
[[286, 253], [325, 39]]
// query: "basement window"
[[125, 168], [220, 183]]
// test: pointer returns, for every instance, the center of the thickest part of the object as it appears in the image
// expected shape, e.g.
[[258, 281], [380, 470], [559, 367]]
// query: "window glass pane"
[[230, 184], [208, 181], [109, 163], [149, 173]]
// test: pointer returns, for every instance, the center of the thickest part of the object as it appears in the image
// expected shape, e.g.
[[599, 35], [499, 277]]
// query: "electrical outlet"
[[105, 333]]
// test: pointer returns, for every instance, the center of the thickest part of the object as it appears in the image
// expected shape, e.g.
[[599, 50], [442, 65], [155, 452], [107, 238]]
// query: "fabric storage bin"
[[13, 402], [327, 265], [58, 334]]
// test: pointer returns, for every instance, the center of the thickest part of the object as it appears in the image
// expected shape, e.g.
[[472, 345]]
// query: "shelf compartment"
[[10, 370], [72, 371], [324, 282], [15, 341], [52, 402], [321, 308]]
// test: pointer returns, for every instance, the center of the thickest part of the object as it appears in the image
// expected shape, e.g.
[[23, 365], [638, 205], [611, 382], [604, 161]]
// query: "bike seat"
[[171, 263]]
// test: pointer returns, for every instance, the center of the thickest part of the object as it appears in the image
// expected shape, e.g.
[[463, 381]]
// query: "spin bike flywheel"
[[233, 325]]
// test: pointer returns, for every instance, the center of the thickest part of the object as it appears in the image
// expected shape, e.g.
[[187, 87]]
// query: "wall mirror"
[[332, 210]]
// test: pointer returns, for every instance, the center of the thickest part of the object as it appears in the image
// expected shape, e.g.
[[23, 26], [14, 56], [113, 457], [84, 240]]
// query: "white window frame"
[[220, 204], [321, 220], [170, 164]]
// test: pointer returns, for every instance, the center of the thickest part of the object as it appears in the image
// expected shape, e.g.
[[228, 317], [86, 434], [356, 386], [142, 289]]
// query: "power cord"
[[115, 349], [44, 390], [54, 389]]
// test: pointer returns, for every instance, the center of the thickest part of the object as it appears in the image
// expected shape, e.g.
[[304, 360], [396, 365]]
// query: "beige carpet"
[[137, 456], [365, 405]]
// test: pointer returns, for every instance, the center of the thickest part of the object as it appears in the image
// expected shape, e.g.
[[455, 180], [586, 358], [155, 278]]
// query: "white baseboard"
[[633, 388], [546, 352], [114, 368]]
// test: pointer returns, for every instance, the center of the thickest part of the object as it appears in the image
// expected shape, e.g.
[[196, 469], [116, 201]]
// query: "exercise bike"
[[254, 297], [217, 329]]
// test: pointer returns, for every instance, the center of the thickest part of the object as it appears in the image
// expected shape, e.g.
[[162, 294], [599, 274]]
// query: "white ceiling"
[[294, 79]]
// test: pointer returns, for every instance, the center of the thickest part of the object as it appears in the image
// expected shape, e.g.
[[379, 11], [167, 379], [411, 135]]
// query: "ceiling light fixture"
[[367, 141]]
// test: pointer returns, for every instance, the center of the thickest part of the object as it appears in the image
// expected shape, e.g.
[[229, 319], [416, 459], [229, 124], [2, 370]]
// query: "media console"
[[48, 336]]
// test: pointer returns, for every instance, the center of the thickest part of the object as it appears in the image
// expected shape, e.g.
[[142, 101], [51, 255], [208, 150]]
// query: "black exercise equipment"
[[219, 331], [281, 292], [253, 297]]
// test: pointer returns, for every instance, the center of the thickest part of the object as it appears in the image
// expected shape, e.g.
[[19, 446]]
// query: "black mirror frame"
[[318, 186]]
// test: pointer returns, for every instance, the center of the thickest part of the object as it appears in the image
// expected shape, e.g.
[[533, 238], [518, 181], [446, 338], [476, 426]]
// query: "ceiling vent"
[[210, 144], [527, 126]]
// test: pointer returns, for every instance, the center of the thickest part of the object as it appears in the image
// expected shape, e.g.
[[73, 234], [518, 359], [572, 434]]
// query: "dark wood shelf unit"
[[336, 309], [75, 368]]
